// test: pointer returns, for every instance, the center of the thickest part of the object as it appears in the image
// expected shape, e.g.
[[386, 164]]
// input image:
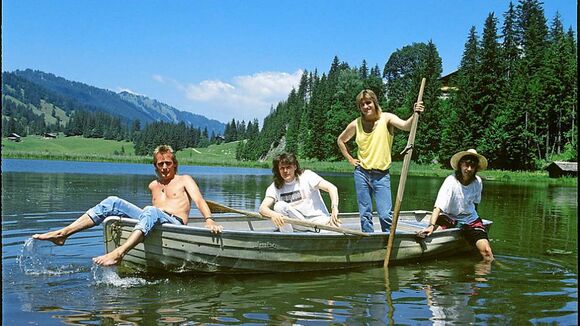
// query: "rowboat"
[[252, 245]]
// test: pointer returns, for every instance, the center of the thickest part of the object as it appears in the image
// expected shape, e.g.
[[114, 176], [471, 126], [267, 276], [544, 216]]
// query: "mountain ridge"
[[73, 95]]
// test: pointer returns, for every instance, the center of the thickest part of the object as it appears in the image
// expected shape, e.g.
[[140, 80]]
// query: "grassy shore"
[[100, 150]]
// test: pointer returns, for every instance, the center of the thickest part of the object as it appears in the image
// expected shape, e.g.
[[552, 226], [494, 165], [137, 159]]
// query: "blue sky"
[[230, 59]]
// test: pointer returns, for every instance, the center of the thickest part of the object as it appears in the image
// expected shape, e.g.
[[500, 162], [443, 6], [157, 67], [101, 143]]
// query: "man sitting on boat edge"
[[171, 194], [296, 193], [457, 201]]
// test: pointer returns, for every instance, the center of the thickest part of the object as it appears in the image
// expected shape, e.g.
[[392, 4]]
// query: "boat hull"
[[250, 245]]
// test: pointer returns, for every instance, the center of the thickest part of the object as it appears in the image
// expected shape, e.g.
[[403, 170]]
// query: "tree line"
[[21, 119], [513, 98]]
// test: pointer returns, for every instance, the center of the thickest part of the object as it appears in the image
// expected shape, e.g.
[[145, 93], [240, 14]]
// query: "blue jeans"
[[148, 217], [377, 184]]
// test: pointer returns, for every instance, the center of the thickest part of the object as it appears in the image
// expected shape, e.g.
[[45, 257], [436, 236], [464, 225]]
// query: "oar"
[[408, 151], [217, 207]]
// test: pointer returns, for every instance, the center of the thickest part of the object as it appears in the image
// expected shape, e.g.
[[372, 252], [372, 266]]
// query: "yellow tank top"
[[374, 148]]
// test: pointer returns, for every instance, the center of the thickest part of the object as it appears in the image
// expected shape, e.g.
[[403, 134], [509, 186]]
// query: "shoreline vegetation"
[[99, 150]]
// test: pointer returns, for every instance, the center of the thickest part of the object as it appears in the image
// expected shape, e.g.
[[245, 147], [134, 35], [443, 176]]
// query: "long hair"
[[368, 94], [285, 159], [164, 149]]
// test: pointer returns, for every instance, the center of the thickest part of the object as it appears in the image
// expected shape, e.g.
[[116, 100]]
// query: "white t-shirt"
[[458, 201], [302, 194]]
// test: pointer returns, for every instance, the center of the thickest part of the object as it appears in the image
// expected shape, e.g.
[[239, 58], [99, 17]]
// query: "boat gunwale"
[[192, 229]]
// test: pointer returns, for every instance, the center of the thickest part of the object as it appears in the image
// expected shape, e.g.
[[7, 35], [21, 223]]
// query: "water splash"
[[108, 276], [37, 258]]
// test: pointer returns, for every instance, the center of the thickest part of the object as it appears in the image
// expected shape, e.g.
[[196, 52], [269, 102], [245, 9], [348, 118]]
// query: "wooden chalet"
[[219, 139], [448, 83], [560, 169], [14, 137]]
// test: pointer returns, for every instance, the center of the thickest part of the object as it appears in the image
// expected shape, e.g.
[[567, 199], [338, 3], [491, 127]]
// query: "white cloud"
[[209, 90], [242, 98], [159, 78]]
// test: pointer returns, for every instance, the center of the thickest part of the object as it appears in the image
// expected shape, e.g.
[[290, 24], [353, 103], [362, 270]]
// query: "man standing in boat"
[[457, 201], [296, 193], [171, 194]]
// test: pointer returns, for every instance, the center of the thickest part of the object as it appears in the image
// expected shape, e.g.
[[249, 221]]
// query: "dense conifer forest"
[[513, 97]]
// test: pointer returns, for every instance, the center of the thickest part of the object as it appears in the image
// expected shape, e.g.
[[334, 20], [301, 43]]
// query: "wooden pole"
[[408, 151], [217, 207]]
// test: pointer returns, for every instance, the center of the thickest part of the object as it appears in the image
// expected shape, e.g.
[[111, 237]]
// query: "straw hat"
[[458, 156]]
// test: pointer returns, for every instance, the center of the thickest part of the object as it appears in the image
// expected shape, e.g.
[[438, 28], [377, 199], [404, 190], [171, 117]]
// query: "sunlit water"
[[534, 238]]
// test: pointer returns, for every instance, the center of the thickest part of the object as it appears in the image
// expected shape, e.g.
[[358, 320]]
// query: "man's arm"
[[333, 192], [343, 138], [193, 191]]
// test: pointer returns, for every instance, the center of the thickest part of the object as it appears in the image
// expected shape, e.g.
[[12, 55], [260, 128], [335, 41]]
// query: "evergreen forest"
[[513, 98]]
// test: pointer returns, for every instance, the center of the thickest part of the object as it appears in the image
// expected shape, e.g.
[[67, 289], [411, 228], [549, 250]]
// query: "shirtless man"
[[171, 194]]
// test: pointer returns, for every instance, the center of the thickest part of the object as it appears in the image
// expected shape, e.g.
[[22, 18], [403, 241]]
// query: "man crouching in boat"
[[457, 202], [295, 193], [171, 194]]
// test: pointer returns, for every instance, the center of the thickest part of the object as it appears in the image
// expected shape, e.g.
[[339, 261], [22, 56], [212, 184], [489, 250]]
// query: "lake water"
[[534, 238]]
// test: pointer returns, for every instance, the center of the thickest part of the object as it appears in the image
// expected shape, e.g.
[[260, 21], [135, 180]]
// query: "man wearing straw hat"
[[457, 202]]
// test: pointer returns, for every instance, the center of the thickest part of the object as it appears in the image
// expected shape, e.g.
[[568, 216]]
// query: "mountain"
[[169, 113], [70, 95]]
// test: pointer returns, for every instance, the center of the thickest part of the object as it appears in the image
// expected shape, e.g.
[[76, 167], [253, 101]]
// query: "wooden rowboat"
[[251, 245]]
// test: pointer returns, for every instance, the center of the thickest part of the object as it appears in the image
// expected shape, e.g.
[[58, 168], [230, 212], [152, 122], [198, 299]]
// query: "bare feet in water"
[[55, 237], [109, 259]]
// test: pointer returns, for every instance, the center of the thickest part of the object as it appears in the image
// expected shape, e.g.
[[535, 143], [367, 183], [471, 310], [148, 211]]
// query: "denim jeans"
[[114, 206], [377, 184]]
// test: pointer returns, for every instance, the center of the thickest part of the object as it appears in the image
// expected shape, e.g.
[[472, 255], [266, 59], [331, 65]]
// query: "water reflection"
[[534, 237]]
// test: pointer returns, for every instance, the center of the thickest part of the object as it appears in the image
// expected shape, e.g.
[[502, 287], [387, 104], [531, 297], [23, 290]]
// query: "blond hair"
[[368, 94], [164, 149]]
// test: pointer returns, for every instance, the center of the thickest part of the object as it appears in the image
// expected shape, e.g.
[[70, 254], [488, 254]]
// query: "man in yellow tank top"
[[374, 131]]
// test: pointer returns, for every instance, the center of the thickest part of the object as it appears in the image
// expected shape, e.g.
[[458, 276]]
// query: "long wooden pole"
[[217, 207], [406, 162]]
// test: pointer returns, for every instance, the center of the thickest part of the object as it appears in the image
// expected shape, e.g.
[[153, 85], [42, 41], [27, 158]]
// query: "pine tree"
[[428, 138], [461, 126]]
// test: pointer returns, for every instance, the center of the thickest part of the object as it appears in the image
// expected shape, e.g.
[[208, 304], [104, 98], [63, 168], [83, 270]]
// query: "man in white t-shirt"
[[457, 202], [296, 193]]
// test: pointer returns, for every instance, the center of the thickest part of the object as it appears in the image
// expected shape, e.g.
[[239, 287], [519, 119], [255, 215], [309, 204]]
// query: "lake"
[[534, 239]]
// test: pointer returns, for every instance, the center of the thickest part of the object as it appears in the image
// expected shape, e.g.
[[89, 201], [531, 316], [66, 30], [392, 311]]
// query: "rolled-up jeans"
[[285, 209], [148, 217], [377, 184]]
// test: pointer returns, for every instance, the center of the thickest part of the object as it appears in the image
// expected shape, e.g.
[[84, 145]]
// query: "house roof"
[[565, 166]]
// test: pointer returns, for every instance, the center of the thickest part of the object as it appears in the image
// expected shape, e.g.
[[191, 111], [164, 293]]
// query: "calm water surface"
[[534, 238]]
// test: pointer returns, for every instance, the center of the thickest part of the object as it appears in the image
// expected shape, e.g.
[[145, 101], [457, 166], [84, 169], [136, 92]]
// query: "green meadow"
[[99, 150]]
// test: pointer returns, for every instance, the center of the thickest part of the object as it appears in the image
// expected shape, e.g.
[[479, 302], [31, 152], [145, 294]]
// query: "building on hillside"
[[219, 139], [14, 137], [49, 135], [560, 169], [448, 83]]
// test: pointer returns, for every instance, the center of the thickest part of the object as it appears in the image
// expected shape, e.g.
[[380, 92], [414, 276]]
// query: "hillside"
[[38, 91], [78, 148]]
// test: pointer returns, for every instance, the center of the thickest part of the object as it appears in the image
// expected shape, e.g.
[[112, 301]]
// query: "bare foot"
[[109, 259], [55, 237]]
